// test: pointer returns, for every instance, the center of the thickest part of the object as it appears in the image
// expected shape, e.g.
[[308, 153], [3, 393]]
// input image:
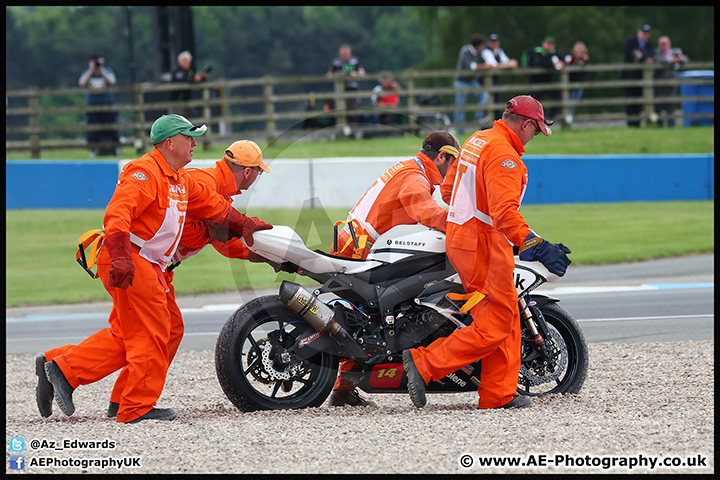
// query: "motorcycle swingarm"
[[309, 342]]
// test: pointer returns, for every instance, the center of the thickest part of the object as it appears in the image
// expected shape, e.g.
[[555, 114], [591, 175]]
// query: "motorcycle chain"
[[559, 350]]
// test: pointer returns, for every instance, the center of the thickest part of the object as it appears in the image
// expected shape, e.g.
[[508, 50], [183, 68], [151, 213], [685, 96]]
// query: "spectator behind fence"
[[578, 57], [470, 60], [385, 96], [637, 49], [495, 56], [546, 57], [97, 77], [672, 59], [346, 64], [182, 72]]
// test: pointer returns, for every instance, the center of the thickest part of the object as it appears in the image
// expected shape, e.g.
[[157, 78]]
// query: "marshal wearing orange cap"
[[484, 189], [239, 168]]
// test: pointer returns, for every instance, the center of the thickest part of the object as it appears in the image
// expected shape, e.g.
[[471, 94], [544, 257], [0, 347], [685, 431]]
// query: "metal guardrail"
[[272, 107]]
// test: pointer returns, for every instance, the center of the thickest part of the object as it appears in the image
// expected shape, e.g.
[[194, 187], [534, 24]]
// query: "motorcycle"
[[283, 351]]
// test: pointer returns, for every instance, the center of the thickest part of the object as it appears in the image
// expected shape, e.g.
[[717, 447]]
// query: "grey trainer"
[[341, 398], [416, 384], [518, 401], [157, 414], [44, 390], [113, 409], [61, 388]]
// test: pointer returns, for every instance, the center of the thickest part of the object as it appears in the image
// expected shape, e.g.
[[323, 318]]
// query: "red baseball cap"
[[527, 106]]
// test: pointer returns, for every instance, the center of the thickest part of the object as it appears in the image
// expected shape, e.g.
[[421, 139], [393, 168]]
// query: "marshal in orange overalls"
[[484, 190], [194, 238], [151, 201], [401, 196]]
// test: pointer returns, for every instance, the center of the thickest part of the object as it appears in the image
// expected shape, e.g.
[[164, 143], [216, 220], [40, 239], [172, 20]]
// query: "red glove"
[[244, 226], [122, 270], [255, 258], [278, 267]]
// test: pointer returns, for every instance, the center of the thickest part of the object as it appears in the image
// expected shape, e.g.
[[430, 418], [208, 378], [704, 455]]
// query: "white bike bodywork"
[[282, 244]]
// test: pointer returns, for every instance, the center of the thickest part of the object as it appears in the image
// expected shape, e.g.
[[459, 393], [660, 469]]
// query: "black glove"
[[552, 255]]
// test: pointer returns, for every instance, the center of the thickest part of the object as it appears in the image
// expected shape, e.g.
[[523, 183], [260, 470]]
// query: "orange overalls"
[[194, 237], [150, 201], [195, 234], [484, 190], [401, 196]]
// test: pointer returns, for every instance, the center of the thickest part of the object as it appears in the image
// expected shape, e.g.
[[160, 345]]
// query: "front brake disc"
[[543, 370], [258, 372]]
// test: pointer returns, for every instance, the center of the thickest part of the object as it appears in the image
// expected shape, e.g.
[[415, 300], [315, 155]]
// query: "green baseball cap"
[[169, 125]]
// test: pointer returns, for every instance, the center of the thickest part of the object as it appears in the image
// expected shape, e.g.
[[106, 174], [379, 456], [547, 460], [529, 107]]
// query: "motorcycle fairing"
[[387, 375]]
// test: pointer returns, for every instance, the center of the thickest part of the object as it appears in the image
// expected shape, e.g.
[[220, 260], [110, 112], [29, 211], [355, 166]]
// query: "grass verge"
[[41, 245]]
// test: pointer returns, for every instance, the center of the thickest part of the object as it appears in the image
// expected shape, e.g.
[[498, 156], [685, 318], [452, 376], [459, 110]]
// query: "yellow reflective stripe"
[[471, 299]]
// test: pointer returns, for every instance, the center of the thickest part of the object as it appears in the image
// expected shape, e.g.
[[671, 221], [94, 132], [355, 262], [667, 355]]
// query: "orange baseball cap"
[[528, 107], [246, 153]]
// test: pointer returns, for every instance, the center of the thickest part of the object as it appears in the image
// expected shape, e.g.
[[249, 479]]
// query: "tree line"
[[49, 46]]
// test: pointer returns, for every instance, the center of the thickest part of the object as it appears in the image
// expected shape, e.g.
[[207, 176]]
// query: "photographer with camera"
[[183, 73], [97, 77]]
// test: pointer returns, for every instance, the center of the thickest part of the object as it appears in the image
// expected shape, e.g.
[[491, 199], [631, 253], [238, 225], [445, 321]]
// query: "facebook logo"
[[17, 462], [17, 444]]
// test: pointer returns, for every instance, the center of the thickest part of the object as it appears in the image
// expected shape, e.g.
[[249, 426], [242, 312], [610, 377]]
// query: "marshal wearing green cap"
[[142, 229], [170, 125]]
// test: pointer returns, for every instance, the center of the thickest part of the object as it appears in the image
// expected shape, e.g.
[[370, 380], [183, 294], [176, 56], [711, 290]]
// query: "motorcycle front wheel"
[[256, 363], [565, 368]]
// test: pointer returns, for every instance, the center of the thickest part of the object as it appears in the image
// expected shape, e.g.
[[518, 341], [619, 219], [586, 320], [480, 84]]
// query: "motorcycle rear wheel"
[[256, 365], [565, 372]]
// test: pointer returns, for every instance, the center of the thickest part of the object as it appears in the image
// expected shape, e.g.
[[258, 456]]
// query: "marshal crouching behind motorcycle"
[[484, 190]]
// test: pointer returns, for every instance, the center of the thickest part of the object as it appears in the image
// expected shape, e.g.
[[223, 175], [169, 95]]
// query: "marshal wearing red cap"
[[484, 189], [528, 107]]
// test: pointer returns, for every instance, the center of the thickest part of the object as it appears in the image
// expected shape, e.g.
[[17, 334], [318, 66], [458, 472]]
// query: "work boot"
[[416, 384], [518, 401], [61, 388], [157, 414], [44, 390], [113, 409], [340, 398]]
